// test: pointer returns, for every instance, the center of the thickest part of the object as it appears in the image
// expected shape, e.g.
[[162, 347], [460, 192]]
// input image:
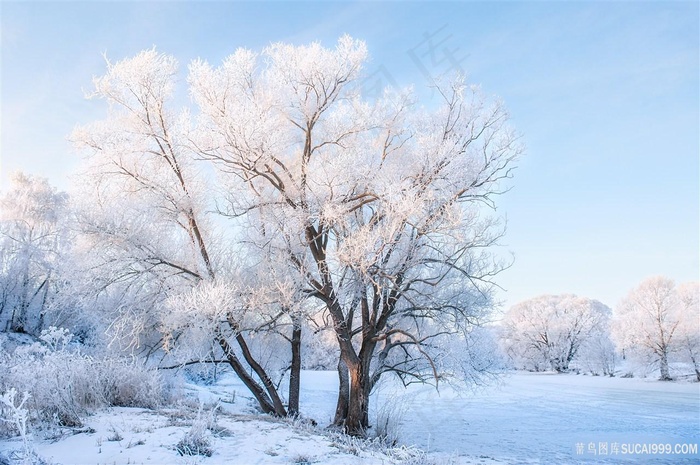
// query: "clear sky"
[[606, 95]]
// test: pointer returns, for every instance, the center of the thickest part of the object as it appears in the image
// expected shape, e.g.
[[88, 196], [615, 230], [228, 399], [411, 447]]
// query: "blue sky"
[[606, 95]]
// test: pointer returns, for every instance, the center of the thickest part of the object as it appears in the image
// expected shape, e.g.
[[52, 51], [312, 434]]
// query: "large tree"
[[657, 319], [372, 209], [376, 204]]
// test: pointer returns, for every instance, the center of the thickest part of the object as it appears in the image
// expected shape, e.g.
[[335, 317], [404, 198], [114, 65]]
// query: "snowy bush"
[[302, 459], [62, 384], [424, 458], [205, 374], [197, 440], [128, 383], [388, 417], [404, 455], [390, 411], [13, 413], [66, 385], [56, 339], [598, 356]]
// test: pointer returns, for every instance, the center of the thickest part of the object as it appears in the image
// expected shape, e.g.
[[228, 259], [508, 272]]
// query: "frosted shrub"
[[205, 374], [67, 385], [62, 384], [128, 383], [56, 338], [14, 413], [388, 418], [197, 440], [408, 455], [302, 459]]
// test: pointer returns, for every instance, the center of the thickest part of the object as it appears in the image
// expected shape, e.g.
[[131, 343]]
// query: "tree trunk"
[[260, 371], [663, 362], [341, 409], [295, 372], [357, 421], [19, 314], [40, 325], [696, 366], [257, 390]]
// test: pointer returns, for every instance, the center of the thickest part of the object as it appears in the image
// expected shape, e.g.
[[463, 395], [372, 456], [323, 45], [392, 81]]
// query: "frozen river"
[[541, 418]]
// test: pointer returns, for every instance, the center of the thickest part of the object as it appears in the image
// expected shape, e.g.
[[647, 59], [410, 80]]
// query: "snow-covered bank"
[[528, 418], [137, 436]]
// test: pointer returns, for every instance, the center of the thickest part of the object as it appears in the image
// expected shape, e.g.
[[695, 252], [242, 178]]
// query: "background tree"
[[32, 239], [377, 202], [650, 319], [689, 328], [547, 332], [598, 354]]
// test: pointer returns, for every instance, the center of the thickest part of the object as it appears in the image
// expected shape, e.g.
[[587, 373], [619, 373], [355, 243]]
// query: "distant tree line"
[[656, 323]]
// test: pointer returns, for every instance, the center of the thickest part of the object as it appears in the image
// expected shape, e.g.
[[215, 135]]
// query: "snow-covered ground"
[[138, 436], [540, 417], [554, 418], [527, 418]]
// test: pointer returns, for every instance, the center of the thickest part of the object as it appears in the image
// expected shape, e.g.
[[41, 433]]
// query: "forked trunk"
[[257, 390], [262, 374]]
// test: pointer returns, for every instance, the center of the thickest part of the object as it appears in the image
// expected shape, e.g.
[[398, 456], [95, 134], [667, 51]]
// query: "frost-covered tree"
[[655, 319], [547, 332], [375, 204], [689, 328], [147, 234], [32, 239], [371, 209], [598, 354]]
